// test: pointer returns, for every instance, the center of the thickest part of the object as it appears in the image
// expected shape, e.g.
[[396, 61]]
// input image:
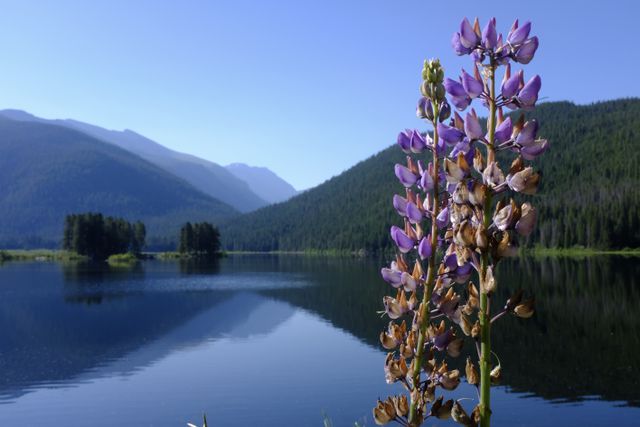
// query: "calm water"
[[278, 341]]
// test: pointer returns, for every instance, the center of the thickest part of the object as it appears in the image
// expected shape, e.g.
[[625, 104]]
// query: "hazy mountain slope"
[[263, 182], [206, 176], [48, 171], [590, 194]]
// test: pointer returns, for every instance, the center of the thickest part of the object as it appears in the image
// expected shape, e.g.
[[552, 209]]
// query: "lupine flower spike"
[[459, 218]]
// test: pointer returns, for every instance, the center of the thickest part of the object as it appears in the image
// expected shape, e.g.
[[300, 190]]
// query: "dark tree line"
[[98, 237], [590, 192], [199, 239]]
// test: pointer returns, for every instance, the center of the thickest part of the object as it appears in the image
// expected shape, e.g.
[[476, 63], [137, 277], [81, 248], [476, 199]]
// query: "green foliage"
[[48, 171], [589, 195], [99, 237], [199, 239], [127, 258]]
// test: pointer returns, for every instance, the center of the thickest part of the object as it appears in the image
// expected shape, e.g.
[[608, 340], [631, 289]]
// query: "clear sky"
[[306, 88]]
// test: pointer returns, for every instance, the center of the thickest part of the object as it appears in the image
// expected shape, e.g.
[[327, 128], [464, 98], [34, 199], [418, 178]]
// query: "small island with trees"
[[99, 237]]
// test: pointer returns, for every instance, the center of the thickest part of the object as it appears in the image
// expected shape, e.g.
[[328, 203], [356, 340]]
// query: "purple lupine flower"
[[426, 181], [471, 85], [534, 149], [445, 111], [391, 276], [472, 126], [454, 88], [400, 204], [463, 272], [489, 35], [402, 241], [520, 34], [450, 134], [442, 340], [404, 140], [457, 45], [468, 37], [459, 96], [528, 95], [424, 248], [451, 261], [461, 147], [524, 54], [512, 84], [443, 218], [410, 284], [503, 130], [417, 142], [413, 213], [406, 177], [528, 133]]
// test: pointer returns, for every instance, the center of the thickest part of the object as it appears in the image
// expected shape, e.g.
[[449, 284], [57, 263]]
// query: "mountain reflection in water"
[[163, 341]]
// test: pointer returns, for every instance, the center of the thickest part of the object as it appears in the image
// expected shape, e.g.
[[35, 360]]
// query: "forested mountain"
[[47, 172], [263, 182], [206, 176], [590, 194]]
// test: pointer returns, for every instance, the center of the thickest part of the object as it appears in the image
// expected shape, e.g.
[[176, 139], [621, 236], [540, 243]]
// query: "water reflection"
[[67, 324]]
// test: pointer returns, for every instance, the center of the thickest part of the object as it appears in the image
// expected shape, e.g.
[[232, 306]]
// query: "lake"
[[267, 340]]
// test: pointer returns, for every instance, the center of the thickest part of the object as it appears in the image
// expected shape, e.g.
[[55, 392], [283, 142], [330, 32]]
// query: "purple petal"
[[424, 248], [406, 177], [413, 213], [511, 86], [426, 181], [417, 142], [404, 140], [443, 218], [468, 37], [532, 151], [504, 129], [404, 242], [461, 102], [400, 204], [457, 45], [520, 34], [472, 86], [528, 133], [454, 88], [489, 35], [528, 95], [472, 127], [449, 134], [393, 277], [524, 54]]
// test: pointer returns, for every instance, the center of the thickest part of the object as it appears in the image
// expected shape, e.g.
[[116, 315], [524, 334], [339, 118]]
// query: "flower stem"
[[485, 321], [428, 286]]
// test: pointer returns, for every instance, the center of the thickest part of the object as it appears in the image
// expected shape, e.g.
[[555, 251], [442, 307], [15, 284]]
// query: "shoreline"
[[7, 255]]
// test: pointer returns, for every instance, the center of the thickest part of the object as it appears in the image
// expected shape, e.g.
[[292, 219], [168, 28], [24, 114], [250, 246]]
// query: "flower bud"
[[525, 309], [401, 405], [459, 415], [471, 372]]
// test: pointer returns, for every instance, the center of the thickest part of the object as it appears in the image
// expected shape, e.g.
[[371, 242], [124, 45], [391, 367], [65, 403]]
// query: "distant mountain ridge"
[[48, 171], [263, 182], [590, 193], [206, 176]]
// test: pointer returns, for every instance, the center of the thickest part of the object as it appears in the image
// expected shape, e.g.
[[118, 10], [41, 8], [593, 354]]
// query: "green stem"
[[428, 286], [484, 315]]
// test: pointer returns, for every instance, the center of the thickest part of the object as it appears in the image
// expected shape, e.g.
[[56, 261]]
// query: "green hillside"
[[590, 194], [48, 171]]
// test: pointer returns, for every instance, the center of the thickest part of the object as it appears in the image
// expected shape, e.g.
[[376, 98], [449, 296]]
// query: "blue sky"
[[306, 88]]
